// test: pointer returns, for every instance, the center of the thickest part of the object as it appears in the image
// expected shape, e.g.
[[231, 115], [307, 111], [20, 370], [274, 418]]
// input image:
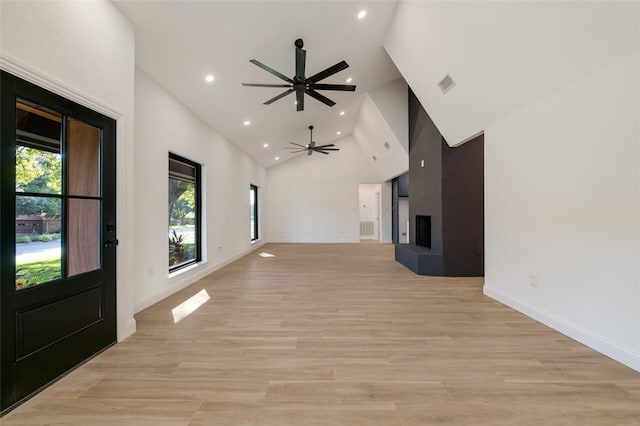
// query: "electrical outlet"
[[533, 281]]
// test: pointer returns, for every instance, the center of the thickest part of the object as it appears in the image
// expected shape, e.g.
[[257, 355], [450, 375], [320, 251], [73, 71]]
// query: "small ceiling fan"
[[312, 147], [301, 84]]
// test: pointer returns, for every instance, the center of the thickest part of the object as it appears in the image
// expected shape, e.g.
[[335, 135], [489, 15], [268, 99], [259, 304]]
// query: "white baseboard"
[[593, 340], [189, 276], [129, 329]]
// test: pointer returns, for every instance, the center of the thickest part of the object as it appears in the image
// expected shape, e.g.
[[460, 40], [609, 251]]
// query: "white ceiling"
[[179, 42]]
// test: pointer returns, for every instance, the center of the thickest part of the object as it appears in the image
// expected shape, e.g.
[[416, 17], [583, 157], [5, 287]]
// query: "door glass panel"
[[83, 236], [38, 218], [38, 160], [83, 159], [38, 225]]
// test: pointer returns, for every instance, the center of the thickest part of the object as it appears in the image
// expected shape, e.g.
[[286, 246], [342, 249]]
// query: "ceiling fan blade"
[[297, 144], [344, 87], [271, 70], [281, 95], [301, 58], [329, 149], [321, 152], [320, 97], [328, 72], [295, 152], [325, 146], [299, 100], [265, 85]]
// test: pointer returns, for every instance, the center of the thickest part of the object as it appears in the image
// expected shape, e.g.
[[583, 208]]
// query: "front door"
[[57, 237]]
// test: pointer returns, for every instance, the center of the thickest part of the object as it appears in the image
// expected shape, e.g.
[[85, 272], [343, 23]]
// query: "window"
[[184, 212], [253, 201]]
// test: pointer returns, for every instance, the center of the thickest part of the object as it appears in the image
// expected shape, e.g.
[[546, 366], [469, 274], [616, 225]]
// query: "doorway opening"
[[370, 196]]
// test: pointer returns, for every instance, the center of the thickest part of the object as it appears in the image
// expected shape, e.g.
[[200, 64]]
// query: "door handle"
[[111, 243], [110, 239]]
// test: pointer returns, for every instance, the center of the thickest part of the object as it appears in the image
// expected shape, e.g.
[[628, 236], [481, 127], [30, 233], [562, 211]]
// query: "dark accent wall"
[[425, 183], [394, 211], [403, 185], [463, 208], [399, 188], [446, 184]]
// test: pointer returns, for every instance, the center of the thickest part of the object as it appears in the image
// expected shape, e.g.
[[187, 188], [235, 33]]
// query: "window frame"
[[256, 228], [197, 180]]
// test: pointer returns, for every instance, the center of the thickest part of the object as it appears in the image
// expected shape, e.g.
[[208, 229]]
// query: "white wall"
[[372, 130], [392, 100], [165, 125], [85, 52], [502, 55], [383, 117], [403, 220], [555, 87], [315, 198], [386, 224], [562, 192]]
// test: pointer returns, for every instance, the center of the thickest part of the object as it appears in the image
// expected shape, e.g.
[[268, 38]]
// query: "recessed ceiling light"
[[362, 14], [246, 123], [349, 80], [209, 78], [341, 112], [266, 145], [277, 158], [338, 132]]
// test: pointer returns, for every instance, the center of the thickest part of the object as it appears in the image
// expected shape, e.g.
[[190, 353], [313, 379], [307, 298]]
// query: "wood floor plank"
[[179, 389], [330, 391], [339, 334], [377, 413], [103, 412]]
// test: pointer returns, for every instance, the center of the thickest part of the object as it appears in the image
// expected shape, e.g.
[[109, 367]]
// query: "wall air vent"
[[446, 83], [386, 145]]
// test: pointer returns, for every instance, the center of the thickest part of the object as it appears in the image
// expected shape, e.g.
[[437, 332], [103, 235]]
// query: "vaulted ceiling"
[[178, 43]]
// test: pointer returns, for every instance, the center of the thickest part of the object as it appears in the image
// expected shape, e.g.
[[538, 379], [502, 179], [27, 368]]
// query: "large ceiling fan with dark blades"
[[312, 147], [301, 84]]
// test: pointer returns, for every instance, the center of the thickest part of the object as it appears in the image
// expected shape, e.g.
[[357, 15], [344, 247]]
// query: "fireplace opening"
[[423, 231]]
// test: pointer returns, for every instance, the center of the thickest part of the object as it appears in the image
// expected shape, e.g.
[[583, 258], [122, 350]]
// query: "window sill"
[[181, 271]]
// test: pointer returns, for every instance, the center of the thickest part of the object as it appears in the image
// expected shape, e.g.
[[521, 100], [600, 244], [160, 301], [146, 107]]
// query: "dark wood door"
[[57, 237]]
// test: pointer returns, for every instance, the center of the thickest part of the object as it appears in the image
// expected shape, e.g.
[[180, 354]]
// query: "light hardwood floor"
[[339, 335]]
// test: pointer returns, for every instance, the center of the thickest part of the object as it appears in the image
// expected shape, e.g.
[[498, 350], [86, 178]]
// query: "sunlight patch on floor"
[[187, 307]]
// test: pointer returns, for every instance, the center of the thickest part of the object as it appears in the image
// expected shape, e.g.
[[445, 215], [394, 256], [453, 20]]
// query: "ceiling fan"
[[301, 84], [312, 147]]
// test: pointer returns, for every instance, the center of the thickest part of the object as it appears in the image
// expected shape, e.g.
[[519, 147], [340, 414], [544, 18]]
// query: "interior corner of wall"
[[126, 330]]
